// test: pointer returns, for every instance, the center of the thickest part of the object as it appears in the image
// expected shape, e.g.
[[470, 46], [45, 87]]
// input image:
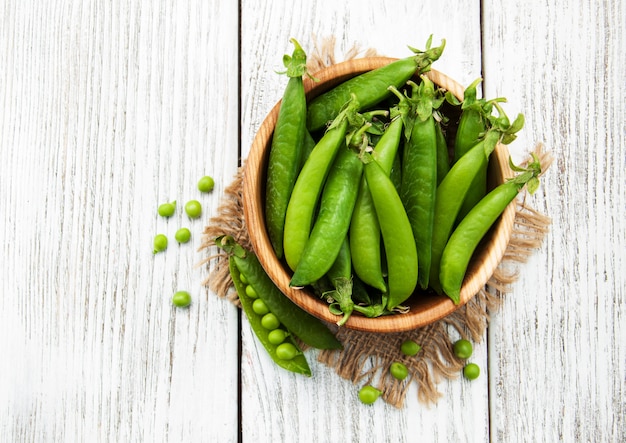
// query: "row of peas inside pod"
[[376, 190]]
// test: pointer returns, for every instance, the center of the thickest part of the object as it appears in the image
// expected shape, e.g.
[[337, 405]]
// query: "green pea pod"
[[340, 275], [333, 221], [364, 228], [306, 327], [472, 123], [419, 168], [443, 157], [398, 242], [308, 187], [286, 150], [298, 364], [371, 87], [466, 237], [450, 195]]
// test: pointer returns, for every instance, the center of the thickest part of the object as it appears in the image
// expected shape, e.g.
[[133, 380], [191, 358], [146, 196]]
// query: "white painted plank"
[[557, 349], [283, 407], [110, 108]]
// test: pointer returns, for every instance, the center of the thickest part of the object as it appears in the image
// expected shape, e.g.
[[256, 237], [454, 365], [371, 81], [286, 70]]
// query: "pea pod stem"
[[466, 237], [287, 147], [371, 87]]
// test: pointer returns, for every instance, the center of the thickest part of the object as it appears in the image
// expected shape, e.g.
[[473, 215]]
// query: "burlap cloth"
[[366, 356]]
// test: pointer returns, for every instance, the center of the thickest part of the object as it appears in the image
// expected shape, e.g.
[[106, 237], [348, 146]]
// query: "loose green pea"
[[160, 243], [471, 371], [167, 209], [286, 351], [269, 321], [410, 348], [193, 208], [182, 235], [369, 394], [181, 299], [206, 184], [462, 348], [398, 370], [251, 292], [259, 307], [277, 336]]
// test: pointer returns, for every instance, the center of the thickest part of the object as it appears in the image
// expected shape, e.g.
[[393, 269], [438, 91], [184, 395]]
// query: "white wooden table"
[[111, 107]]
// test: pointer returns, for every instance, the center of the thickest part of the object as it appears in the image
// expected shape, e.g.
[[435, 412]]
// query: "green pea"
[[398, 370], [471, 371], [277, 336], [369, 394], [259, 307], [193, 208], [160, 243], [286, 351], [167, 209], [243, 278], [181, 299], [182, 235], [410, 348], [462, 348], [269, 321], [206, 184], [251, 292]]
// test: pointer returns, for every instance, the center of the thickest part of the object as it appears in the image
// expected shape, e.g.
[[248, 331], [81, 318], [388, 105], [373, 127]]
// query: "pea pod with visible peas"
[[371, 87], [297, 362], [298, 322], [419, 166], [474, 226], [287, 148], [309, 184]]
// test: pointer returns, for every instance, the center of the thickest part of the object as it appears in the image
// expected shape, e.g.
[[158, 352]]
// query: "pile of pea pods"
[[377, 189]]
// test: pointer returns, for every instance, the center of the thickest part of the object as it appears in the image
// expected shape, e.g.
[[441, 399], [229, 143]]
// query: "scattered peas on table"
[[369, 394], [183, 235], [159, 243], [193, 208], [206, 184], [471, 371], [167, 209], [181, 299]]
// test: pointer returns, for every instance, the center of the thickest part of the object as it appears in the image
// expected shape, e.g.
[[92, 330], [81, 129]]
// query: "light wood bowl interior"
[[424, 308]]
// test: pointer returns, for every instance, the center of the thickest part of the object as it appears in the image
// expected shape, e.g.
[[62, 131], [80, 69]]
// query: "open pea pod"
[[297, 364], [298, 322]]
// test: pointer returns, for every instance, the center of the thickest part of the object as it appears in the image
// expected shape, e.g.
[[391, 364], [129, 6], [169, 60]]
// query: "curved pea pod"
[[398, 242], [333, 220], [450, 195], [308, 187], [370, 87], [298, 364], [306, 327], [286, 149], [364, 229], [468, 234]]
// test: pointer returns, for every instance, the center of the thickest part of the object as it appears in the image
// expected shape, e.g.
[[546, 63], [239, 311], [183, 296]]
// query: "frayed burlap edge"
[[366, 357]]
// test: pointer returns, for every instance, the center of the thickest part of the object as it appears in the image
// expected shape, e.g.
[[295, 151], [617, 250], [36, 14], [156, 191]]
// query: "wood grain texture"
[[109, 108], [556, 351]]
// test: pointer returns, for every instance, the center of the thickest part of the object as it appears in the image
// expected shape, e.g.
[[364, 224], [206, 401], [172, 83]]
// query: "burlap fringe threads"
[[366, 356]]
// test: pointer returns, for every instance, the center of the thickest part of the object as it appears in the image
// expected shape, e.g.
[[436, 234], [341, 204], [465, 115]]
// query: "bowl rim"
[[435, 307]]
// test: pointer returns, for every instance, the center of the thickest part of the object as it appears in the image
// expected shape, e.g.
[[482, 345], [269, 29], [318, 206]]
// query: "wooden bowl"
[[424, 308]]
